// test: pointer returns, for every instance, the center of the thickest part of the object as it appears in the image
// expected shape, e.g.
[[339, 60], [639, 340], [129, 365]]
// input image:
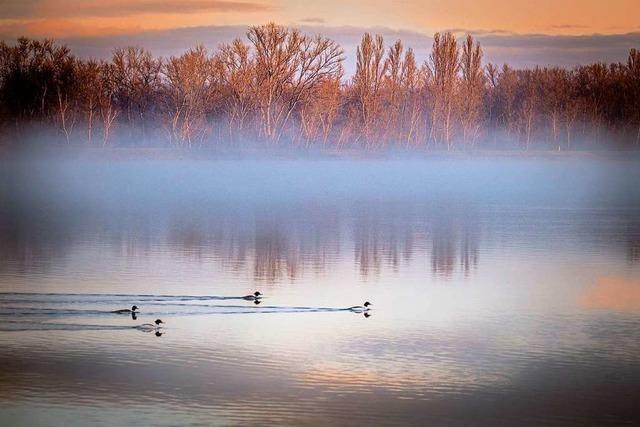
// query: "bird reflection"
[[367, 315], [134, 316], [158, 333]]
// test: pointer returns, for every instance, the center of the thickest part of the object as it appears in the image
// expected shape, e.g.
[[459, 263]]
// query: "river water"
[[503, 290]]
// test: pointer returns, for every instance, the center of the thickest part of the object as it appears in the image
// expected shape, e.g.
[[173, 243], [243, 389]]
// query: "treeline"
[[281, 86]]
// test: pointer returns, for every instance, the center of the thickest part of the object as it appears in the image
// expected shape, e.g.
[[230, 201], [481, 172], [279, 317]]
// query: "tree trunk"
[[63, 107]]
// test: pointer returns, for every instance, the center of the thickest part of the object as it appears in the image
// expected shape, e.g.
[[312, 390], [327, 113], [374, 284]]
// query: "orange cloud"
[[511, 16], [612, 293], [59, 28], [32, 9], [91, 18]]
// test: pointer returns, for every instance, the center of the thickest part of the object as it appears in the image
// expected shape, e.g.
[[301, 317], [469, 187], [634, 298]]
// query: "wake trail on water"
[[21, 326], [162, 309], [75, 298], [18, 308]]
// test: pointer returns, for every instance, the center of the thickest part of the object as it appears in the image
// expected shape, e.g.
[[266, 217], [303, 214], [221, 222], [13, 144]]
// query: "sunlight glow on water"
[[504, 292]]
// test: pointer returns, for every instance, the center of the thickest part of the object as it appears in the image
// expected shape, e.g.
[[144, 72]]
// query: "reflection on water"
[[505, 292], [279, 248], [613, 293]]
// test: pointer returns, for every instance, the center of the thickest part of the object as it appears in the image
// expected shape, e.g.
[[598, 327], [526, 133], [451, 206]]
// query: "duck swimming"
[[126, 310], [149, 327], [254, 297], [361, 308]]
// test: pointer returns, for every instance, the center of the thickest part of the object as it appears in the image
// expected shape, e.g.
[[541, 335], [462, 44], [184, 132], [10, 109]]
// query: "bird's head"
[[257, 294], [158, 321], [367, 304]]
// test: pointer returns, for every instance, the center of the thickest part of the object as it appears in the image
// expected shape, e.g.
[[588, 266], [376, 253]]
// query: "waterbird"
[[361, 308], [254, 297], [126, 310], [148, 327]]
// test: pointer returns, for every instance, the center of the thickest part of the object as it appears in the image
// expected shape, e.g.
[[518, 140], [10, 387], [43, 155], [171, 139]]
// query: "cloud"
[[477, 32], [37, 9], [519, 50], [313, 20], [159, 42], [62, 28], [568, 27], [593, 41]]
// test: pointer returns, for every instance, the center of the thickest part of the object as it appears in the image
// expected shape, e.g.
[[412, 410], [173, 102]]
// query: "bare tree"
[[137, 77], [318, 113], [490, 99], [238, 83], [288, 67], [106, 100], [443, 66], [554, 91], [471, 90], [65, 84], [529, 104], [506, 88], [89, 81], [393, 93], [367, 81], [191, 86], [412, 83]]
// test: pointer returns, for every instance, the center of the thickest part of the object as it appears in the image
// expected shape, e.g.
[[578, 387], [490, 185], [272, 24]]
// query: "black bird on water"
[[253, 297], [149, 327], [126, 310], [361, 308]]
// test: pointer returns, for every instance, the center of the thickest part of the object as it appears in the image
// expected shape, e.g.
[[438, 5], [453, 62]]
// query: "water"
[[504, 291]]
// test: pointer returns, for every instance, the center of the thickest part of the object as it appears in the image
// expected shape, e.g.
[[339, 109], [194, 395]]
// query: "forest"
[[283, 87]]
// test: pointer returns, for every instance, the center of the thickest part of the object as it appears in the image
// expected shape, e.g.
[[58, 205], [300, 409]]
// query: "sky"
[[523, 33]]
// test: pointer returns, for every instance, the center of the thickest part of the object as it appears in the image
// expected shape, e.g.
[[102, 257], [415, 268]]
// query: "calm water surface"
[[505, 292]]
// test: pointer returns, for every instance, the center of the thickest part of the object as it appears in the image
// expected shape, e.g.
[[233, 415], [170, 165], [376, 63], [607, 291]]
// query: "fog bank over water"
[[495, 179], [279, 217]]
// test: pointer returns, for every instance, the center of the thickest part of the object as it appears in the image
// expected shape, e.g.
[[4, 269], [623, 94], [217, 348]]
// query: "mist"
[[292, 204]]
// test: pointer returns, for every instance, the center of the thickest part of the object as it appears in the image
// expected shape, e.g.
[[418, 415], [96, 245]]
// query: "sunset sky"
[[555, 31]]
